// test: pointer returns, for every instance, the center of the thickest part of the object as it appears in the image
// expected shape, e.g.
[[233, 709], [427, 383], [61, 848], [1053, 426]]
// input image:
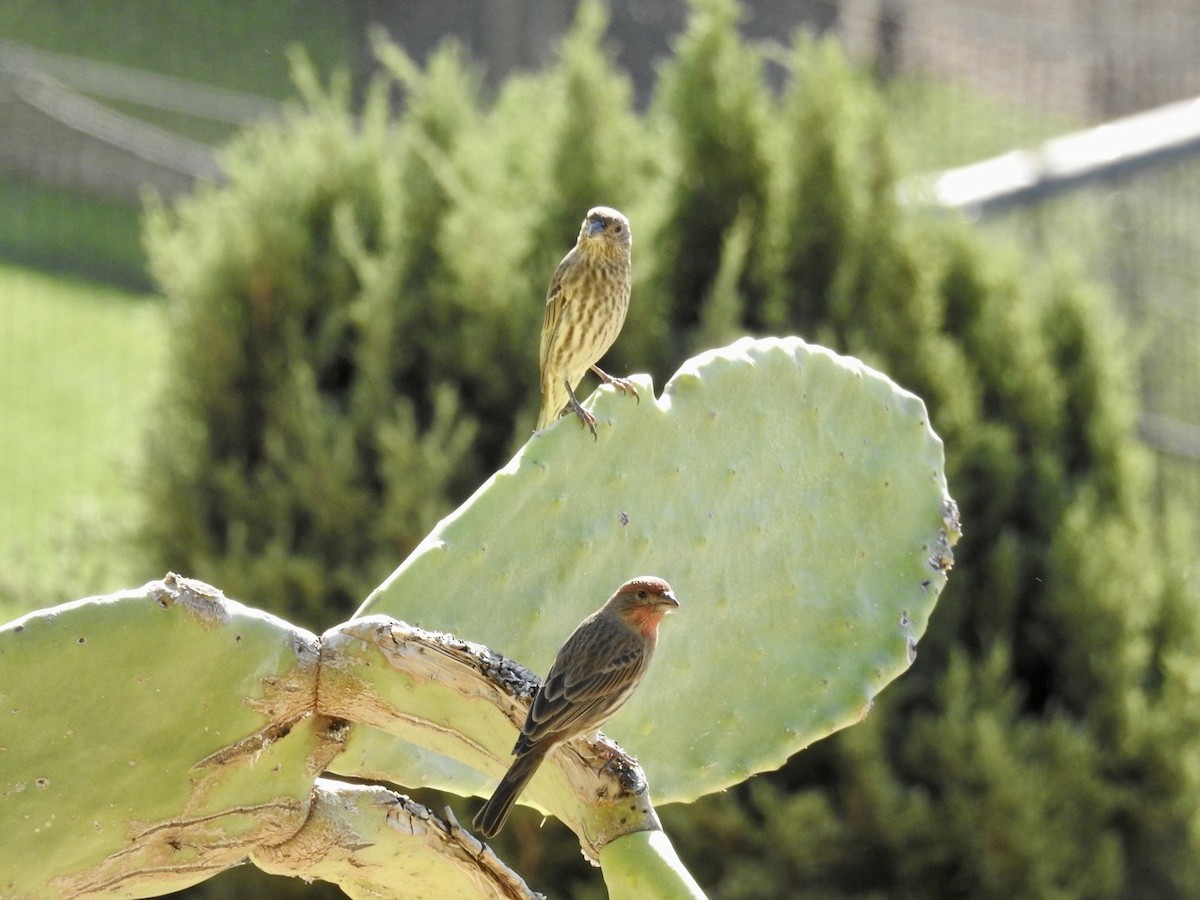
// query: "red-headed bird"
[[595, 672]]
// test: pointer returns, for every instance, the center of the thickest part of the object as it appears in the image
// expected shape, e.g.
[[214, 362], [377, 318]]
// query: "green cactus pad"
[[150, 739], [794, 498], [374, 843]]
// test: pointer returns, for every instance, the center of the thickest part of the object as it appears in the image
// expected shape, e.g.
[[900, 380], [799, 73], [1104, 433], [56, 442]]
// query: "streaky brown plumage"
[[585, 309], [596, 670]]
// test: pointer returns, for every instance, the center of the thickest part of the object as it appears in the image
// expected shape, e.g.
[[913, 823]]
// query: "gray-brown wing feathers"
[[584, 698]]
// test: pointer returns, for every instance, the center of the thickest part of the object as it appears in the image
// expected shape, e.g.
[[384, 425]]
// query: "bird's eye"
[[642, 595], [617, 229]]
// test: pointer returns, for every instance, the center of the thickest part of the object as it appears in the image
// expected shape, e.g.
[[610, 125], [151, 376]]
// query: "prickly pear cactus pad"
[[794, 498], [150, 739], [374, 843]]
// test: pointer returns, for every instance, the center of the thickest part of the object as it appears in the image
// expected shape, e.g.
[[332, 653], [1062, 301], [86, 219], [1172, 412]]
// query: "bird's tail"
[[552, 405], [491, 816], [555, 397], [546, 418]]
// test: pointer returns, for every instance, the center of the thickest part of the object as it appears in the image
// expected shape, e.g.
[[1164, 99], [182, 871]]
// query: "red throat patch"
[[646, 618]]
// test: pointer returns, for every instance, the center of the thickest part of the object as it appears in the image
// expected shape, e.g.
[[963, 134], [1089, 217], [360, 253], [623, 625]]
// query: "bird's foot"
[[584, 416], [624, 385], [619, 764], [608, 750]]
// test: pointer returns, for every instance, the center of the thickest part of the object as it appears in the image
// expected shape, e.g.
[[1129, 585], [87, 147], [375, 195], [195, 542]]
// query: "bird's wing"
[[556, 299], [568, 698]]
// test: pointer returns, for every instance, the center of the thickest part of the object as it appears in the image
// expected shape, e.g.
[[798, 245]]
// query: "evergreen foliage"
[[358, 314], [712, 100]]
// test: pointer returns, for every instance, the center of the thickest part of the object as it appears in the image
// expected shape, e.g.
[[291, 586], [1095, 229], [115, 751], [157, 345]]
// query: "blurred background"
[[206, 209]]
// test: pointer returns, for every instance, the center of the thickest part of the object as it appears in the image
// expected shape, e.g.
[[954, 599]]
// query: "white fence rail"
[[1025, 176]]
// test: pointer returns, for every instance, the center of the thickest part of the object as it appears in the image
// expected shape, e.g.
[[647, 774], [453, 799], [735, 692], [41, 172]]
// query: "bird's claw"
[[624, 385], [584, 416], [618, 764], [614, 759]]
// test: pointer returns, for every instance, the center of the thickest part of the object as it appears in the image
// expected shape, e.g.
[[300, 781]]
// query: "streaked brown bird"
[[585, 309], [595, 672]]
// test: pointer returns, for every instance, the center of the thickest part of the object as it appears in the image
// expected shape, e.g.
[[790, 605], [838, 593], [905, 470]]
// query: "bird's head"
[[605, 231], [643, 601]]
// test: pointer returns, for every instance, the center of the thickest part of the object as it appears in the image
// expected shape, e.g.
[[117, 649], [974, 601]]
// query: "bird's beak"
[[668, 600], [595, 228]]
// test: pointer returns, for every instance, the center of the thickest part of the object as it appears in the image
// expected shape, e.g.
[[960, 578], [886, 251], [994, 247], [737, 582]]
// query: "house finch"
[[585, 309], [595, 672]]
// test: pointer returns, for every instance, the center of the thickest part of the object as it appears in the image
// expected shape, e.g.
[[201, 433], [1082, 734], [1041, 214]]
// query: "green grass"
[[238, 45], [79, 367], [62, 230], [234, 44]]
